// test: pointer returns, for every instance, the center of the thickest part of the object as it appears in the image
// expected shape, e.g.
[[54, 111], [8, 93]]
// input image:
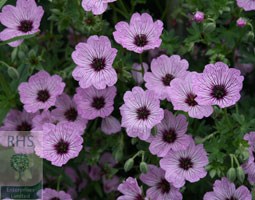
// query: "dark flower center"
[[167, 79], [231, 198], [185, 163], [143, 113], [253, 153], [71, 114], [62, 147], [139, 197], [24, 126], [190, 100], [98, 64], [25, 26], [98, 103], [219, 92], [55, 198], [169, 136], [140, 40], [43, 95], [164, 186]]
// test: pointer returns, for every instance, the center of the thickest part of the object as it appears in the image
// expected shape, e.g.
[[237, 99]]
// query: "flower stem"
[[58, 183], [226, 117], [141, 62]]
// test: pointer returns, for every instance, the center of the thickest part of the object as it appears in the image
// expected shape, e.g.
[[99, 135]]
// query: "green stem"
[[141, 62], [209, 136], [226, 116], [58, 183], [141, 152], [232, 163]]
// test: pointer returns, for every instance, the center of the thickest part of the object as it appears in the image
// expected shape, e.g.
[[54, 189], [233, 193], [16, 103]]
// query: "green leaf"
[[23, 37], [2, 2]]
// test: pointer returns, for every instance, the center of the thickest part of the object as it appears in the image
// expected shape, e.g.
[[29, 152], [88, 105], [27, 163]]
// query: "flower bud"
[[231, 174], [199, 16], [209, 27], [13, 73], [240, 174], [241, 22], [143, 167], [129, 164]]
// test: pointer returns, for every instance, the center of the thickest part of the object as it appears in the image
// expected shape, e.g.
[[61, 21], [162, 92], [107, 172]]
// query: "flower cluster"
[[158, 110]]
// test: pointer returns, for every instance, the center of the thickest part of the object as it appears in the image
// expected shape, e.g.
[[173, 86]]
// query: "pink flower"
[[140, 35], [49, 194], [138, 76], [41, 91], [160, 188], [93, 103], [164, 69], [241, 22], [188, 164], [140, 113], [66, 111], [249, 165], [97, 7], [43, 118], [199, 16], [110, 184], [224, 189], [183, 97], [218, 85], [247, 5], [16, 131], [110, 125], [59, 143], [94, 61], [171, 135], [130, 190], [24, 19]]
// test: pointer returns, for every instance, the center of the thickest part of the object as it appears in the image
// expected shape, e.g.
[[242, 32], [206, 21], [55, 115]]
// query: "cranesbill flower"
[[137, 72], [188, 164], [97, 7], [110, 184], [110, 125], [59, 143], [93, 103], [94, 61], [247, 5], [130, 190], [164, 69], [160, 188], [223, 189], [183, 97], [41, 91], [218, 85], [66, 110], [24, 19], [249, 165], [171, 135], [17, 126], [140, 113], [140, 35], [49, 194], [43, 118]]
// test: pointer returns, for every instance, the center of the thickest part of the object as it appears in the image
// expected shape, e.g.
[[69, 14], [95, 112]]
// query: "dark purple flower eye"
[[24, 126], [164, 186], [167, 79], [71, 114], [98, 102], [25, 26], [43, 95], [98, 64], [185, 163], [140, 40], [219, 91], [62, 147], [169, 135], [143, 113], [190, 100]]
